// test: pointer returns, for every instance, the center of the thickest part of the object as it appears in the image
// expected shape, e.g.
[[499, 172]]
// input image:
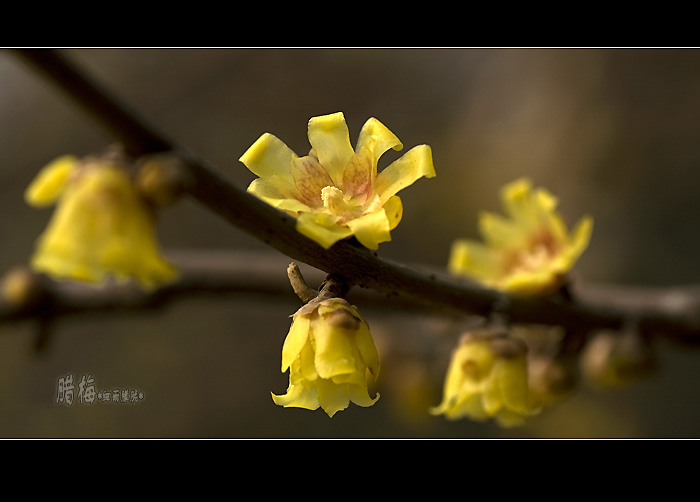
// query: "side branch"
[[678, 317]]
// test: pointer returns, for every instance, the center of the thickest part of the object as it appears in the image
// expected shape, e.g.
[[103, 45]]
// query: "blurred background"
[[613, 133]]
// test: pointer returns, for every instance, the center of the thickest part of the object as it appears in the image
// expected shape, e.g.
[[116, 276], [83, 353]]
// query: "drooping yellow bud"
[[331, 358], [101, 227], [487, 378]]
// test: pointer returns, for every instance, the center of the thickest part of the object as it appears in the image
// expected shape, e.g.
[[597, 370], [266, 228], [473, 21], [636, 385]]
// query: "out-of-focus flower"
[[551, 362], [552, 379], [615, 359], [100, 228], [335, 192], [331, 357], [528, 252], [487, 378]]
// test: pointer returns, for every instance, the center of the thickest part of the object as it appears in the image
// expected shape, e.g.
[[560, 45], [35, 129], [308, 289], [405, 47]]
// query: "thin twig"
[[301, 289]]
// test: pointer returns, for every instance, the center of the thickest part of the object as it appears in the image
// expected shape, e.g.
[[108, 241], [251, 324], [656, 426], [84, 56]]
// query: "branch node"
[[334, 286]]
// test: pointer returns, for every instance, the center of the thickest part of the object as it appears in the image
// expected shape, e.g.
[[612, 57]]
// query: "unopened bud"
[[551, 379], [20, 287], [162, 179], [614, 359]]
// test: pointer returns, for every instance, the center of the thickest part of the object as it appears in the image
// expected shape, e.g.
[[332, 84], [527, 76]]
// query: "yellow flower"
[[100, 228], [331, 357], [335, 192], [487, 377], [528, 252]]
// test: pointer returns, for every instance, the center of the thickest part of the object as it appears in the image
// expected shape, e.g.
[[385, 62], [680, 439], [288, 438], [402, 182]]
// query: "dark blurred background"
[[613, 133]]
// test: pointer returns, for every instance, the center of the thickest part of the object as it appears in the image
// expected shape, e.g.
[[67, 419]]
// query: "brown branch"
[[672, 312], [202, 274]]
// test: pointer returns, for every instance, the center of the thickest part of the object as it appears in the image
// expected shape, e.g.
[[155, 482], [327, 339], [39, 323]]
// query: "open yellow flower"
[[487, 378], [331, 357], [528, 252], [101, 227], [335, 192]]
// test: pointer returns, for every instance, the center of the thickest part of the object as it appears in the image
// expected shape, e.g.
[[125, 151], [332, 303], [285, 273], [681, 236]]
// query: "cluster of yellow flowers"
[[103, 227]]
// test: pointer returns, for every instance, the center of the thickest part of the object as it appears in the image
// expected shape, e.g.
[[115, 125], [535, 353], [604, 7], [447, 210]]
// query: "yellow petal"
[[582, 235], [466, 402], [371, 229], [296, 338], [50, 182], [297, 397], [321, 228], [472, 406], [513, 384], [293, 392], [394, 211], [360, 396], [473, 259], [330, 139], [310, 178], [358, 179], [334, 354], [332, 398], [500, 232], [532, 283], [367, 349], [509, 419], [267, 191], [269, 157], [518, 202], [414, 164], [375, 139]]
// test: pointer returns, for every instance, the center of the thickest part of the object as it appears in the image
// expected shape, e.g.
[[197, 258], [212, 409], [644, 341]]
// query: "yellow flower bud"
[[331, 358], [487, 378], [101, 227]]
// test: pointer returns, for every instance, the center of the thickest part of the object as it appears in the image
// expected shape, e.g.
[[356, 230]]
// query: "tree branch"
[[670, 312], [28, 295]]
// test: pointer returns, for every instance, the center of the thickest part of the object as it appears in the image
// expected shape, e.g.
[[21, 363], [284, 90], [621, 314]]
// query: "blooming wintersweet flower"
[[487, 378], [530, 251], [336, 192], [331, 357], [100, 228]]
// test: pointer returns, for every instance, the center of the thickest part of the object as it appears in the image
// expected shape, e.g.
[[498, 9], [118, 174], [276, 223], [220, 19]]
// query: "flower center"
[[542, 250], [332, 198], [335, 203]]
